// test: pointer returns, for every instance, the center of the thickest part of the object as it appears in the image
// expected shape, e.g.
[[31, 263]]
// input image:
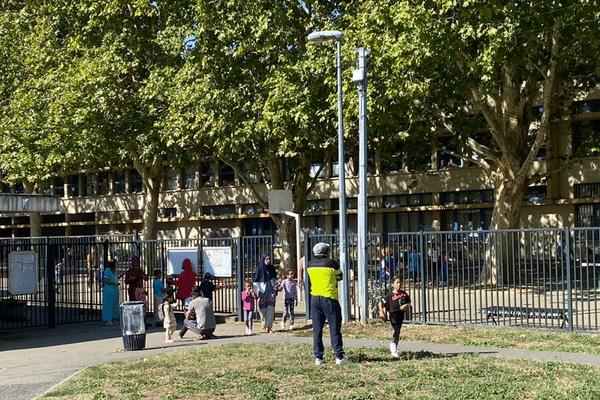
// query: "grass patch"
[[286, 371], [475, 336]]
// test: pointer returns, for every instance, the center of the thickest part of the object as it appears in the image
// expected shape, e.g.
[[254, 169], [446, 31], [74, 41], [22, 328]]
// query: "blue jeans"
[[325, 309]]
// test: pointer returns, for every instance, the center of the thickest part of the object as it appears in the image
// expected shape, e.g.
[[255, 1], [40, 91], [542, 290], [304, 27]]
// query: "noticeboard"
[[175, 257], [23, 272], [217, 261]]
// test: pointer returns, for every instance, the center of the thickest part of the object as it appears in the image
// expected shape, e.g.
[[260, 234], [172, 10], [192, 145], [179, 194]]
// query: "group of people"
[[436, 262], [323, 272], [264, 289]]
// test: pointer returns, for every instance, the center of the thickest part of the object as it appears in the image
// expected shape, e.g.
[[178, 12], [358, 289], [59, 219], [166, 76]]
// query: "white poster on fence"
[[175, 257], [217, 261], [22, 272]]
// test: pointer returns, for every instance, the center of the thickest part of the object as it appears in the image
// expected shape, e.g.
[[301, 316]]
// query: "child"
[[249, 300], [140, 293], [159, 291], [290, 298], [169, 322], [392, 307], [208, 287]]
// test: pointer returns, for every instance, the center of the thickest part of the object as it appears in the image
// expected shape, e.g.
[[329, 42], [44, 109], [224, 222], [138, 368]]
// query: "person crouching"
[[204, 324]]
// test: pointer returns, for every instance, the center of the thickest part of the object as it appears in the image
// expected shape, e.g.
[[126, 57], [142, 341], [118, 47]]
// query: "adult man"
[[323, 275], [205, 323]]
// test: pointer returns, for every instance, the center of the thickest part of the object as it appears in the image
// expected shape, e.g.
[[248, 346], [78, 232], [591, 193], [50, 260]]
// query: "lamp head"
[[324, 36]]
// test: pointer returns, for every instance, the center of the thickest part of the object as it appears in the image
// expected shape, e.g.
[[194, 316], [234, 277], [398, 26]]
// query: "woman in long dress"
[[266, 286], [110, 300]]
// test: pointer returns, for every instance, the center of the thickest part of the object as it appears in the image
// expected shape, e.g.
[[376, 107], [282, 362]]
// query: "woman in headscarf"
[[266, 286], [110, 300]]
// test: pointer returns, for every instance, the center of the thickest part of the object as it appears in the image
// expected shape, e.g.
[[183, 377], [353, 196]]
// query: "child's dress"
[[169, 323]]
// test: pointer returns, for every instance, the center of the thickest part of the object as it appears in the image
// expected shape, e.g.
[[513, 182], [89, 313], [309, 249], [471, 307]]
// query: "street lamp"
[[325, 36]]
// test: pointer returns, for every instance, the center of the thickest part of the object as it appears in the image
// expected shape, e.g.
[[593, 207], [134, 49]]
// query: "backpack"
[[161, 312]]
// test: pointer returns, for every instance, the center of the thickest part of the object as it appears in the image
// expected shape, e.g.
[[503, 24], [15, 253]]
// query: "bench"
[[524, 312]]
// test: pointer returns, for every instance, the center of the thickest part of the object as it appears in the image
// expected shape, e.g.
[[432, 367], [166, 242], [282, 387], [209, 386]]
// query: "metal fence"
[[544, 278], [68, 274]]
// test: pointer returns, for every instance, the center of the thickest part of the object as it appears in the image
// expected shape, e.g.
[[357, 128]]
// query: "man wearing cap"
[[323, 275]]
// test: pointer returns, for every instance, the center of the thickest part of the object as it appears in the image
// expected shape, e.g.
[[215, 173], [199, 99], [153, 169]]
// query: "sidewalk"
[[35, 361]]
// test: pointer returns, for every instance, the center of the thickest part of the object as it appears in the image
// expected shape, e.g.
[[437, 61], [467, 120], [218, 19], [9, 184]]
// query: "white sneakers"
[[292, 327], [248, 331], [282, 325], [338, 361], [343, 360], [394, 350]]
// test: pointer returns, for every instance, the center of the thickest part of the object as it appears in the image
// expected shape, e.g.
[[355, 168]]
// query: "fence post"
[[240, 280], [423, 280], [50, 285], [569, 285], [305, 278]]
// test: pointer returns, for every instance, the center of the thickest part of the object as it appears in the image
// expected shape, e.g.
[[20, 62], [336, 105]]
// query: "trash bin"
[[133, 325]]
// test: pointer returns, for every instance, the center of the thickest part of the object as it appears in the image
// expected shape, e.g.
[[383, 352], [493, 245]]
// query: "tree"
[[487, 66], [258, 99]]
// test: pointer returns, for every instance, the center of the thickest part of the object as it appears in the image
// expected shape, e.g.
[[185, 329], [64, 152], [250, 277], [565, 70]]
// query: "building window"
[[190, 180], [73, 186], [314, 170], [467, 197], [172, 179], [315, 205], [407, 221], [103, 184], [407, 200], [119, 182], [59, 187], [466, 220], [588, 215], [536, 193], [587, 190], [137, 184], [250, 209], [207, 174], [88, 185], [227, 176], [586, 106], [586, 138]]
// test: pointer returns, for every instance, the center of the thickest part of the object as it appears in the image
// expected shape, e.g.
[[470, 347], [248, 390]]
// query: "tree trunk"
[[153, 176], [510, 192], [287, 233]]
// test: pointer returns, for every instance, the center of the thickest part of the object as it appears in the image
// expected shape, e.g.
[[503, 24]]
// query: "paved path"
[[33, 362]]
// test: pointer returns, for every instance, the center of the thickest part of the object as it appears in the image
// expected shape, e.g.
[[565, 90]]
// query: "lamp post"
[[325, 36], [360, 78]]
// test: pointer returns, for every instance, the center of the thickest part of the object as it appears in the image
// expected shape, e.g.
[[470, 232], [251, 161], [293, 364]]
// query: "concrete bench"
[[524, 312]]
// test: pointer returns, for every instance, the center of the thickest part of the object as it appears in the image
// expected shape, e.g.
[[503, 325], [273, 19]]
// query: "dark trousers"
[[397, 325], [288, 311], [325, 309], [192, 325]]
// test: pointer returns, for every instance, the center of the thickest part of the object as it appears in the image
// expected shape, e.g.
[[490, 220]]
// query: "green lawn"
[[266, 371]]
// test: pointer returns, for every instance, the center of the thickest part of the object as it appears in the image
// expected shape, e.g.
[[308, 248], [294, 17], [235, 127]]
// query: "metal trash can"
[[133, 325]]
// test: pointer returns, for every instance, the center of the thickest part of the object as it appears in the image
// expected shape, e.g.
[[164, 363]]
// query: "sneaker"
[[109, 323], [282, 325], [291, 327], [394, 350], [343, 360], [319, 361], [169, 341]]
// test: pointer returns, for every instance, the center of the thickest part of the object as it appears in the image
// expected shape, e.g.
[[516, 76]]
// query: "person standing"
[[392, 308], [110, 298], [290, 298], [324, 275], [132, 275], [158, 288], [266, 286], [248, 301], [92, 263], [169, 321], [186, 280]]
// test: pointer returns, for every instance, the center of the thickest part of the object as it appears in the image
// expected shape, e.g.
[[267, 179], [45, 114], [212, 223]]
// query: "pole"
[[360, 77], [344, 295]]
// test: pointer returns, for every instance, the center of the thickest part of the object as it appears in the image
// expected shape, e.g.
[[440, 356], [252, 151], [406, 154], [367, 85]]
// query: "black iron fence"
[[66, 274]]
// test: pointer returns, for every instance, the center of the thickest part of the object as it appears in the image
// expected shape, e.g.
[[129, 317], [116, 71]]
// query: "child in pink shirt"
[[249, 300]]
